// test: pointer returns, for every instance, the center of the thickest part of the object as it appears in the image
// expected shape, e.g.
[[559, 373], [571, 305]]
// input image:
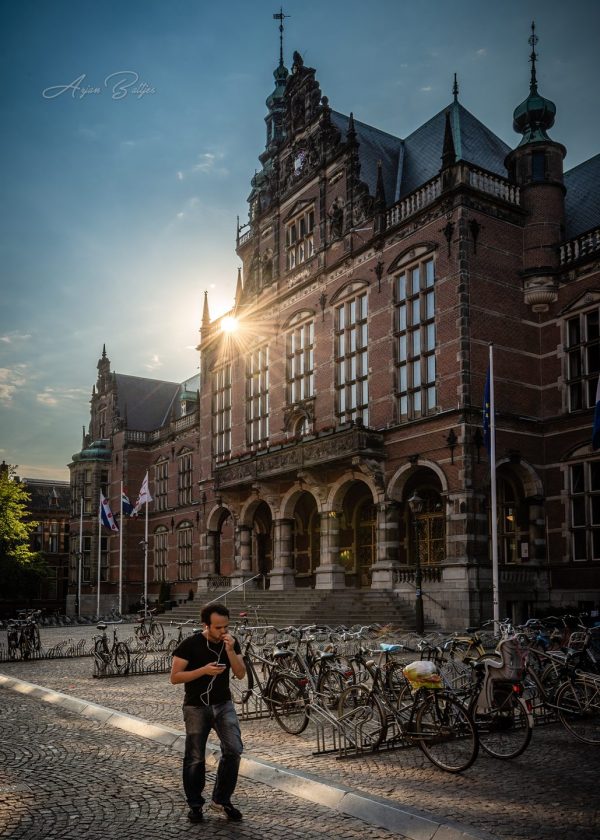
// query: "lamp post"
[[416, 504]]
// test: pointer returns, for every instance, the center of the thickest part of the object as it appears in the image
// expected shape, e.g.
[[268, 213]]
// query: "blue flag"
[[106, 516], [126, 504], [596, 429], [487, 431]]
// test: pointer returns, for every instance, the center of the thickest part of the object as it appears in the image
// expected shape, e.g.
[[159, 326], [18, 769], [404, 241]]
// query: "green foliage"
[[15, 527]]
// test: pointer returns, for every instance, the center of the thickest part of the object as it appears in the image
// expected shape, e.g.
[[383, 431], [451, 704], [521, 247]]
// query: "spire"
[[379, 204], [455, 88], [238, 289], [351, 132], [280, 17], [104, 351], [449, 150], [205, 313], [535, 114]]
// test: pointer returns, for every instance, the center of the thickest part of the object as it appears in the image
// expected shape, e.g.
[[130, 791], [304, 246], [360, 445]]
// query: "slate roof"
[[582, 201], [42, 491], [409, 163], [146, 403]]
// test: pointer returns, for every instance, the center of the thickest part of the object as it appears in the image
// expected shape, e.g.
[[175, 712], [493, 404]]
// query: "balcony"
[[581, 247], [326, 447]]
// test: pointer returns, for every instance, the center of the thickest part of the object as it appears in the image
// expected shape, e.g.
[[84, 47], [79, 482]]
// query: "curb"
[[374, 810]]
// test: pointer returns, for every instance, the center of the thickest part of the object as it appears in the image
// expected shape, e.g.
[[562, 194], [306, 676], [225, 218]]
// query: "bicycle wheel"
[[287, 702], [579, 709], [25, 646], [121, 657], [446, 732], [361, 709], [241, 690], [158, 632], [101, 650], [330, 685], [505, 732]]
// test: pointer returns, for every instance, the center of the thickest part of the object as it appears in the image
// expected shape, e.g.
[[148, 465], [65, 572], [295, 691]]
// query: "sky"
[[130, 132]]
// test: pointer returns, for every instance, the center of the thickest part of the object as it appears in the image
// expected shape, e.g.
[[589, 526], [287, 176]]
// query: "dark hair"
[[209, 609]]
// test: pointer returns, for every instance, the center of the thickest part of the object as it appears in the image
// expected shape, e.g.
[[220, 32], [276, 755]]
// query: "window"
[[415, 341], [299, 239], [221, 412], [87, 491], [86, 560], [300, 377], [513, 521], [431, 525], [53, 538], [584, 489], [184, 479], [161, 547], [351, 360], [257, 396], [161, 485], [184, 551], [582, 341]]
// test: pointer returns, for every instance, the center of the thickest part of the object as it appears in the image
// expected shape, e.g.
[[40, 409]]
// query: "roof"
[[582, 201], [408, 164], [146, 404], [46, 494]]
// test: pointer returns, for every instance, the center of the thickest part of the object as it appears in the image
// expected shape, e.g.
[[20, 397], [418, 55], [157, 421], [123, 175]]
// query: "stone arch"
[[404, 474], [217, 515], [289, 500], [532, 483], [246, 517], [339, 488]]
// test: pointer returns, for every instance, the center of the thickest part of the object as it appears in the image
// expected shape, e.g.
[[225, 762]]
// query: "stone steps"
[[298, 607]]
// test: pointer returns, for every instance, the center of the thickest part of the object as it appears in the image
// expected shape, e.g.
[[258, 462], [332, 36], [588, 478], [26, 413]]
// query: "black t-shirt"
[[198, 651]]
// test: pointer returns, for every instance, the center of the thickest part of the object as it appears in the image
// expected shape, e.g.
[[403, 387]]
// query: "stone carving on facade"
[[372, 469], [297, 412], [336, 219]]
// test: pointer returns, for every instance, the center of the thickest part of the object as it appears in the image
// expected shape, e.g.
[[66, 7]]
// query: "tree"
[[20, 567]]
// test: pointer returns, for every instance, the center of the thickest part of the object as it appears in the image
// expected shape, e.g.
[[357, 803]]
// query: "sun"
[[229, 324]]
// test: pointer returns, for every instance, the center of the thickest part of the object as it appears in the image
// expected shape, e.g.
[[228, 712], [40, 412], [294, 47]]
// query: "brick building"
[[350, 374]]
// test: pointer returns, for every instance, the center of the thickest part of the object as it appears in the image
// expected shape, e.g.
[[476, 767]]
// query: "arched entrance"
[[261, 540], [358, 535], [430, 522], [306, 540]]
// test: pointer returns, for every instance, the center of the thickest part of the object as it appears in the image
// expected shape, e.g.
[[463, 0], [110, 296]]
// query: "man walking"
[[202, 663]]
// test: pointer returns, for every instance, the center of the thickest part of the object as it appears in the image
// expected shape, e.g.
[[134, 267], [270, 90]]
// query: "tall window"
[[431, 524], [87, 491], [585, 510], [161, 547], [583, 358], [257, 396], [161, 485], [415, 341], [184, 479], [221, 412], [351, 360], [184, 551], [299, 239], [86, 560], [300, 377]]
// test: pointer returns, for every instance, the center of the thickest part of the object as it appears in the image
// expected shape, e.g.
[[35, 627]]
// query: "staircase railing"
[[241, 586]]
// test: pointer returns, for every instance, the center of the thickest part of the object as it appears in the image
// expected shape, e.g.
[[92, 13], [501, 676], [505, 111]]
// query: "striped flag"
[[106, 517]]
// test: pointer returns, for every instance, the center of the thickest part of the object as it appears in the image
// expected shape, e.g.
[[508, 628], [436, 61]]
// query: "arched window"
[[431, 526]]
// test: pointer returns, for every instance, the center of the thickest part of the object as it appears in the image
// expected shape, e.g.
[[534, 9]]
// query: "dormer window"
[[299, 239]]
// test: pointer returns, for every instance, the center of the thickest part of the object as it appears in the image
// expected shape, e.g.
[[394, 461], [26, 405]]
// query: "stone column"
[[282, 573], [388, 545], [243, 559], [207, 558], [330, 574]]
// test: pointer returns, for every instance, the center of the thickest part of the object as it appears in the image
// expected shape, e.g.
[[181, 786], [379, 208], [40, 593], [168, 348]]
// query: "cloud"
[[209, 163], [56, 396], [180, 175], [10, 381], [426, 89], [11, 337], [154, 362], [481, 53]]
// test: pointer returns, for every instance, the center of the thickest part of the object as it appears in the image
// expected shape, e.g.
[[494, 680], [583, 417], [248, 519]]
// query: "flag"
[[126, 505], [106, 516], [143, 498], [596, 429], [487, 431]]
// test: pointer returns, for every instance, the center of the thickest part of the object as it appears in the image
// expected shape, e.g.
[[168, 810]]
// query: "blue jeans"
[[199, 720]]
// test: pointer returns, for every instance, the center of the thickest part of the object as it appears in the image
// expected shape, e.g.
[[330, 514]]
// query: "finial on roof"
[[205, 313], [104, 351], [455, 88], [449, 149], [536, 113], [280, 17], [351, 132], [533, 39], [379, 189]]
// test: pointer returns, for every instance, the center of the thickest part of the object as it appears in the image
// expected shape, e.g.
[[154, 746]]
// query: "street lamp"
[[416, 504]]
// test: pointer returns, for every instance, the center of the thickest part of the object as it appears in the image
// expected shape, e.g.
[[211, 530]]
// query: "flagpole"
[[80, 558], [121, 555], [494, 502], [99, 558]]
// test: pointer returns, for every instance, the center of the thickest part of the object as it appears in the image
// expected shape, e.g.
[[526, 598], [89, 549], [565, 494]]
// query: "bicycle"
[[148, 629], [174, 643], [432, 718], [578, 706], [118, 653], [23, 634]]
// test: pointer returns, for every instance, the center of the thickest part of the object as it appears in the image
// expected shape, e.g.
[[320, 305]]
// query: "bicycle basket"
[[423, 674]]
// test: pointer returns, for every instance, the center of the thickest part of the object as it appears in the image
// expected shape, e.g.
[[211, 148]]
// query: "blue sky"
[[120, 193]]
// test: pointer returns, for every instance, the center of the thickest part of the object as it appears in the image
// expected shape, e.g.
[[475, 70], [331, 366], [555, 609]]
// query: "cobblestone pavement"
[[63, 777], [548, 793]]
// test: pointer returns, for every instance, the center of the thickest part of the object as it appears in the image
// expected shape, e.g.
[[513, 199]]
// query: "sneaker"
[[227, 810], [195, 815]]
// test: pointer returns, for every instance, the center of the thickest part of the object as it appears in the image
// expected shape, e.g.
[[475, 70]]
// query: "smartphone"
[[220, 664]]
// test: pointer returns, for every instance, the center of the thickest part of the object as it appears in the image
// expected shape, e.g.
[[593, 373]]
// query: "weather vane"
[[280, 17], [533, 39]]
